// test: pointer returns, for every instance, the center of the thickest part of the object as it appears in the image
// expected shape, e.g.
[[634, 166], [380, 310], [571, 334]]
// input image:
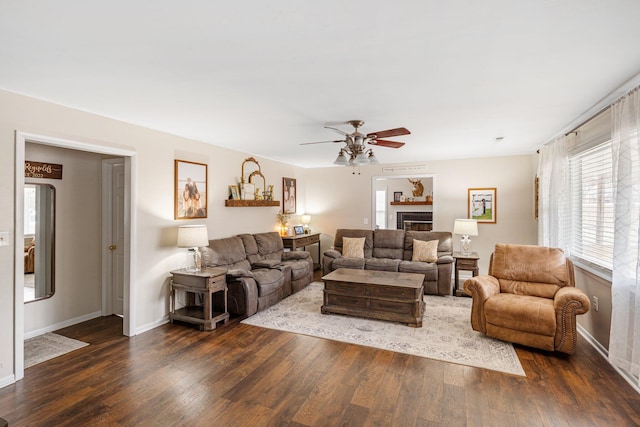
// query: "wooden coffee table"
[[374, 294]]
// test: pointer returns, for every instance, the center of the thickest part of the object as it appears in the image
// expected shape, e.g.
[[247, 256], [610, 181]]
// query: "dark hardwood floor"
[[241, 375]]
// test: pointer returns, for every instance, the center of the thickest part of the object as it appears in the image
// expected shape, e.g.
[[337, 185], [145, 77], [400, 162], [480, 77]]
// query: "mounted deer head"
[[416, 187]]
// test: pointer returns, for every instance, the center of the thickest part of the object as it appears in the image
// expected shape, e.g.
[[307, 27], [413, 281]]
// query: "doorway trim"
[[21, 138]]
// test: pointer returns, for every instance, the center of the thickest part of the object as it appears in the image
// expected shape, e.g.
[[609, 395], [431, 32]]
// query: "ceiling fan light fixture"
[[372, 158], [361, 159], [341, 160]]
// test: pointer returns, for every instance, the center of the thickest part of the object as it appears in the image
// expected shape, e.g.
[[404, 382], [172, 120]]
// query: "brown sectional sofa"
[[260, 273], [392, 250]]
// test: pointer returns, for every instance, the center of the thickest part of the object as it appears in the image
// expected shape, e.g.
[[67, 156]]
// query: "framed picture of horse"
[[190, 190], [483, 204]]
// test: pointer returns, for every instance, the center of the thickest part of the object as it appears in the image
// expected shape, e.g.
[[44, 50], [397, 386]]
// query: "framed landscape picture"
[[482, 204], [190, 190]]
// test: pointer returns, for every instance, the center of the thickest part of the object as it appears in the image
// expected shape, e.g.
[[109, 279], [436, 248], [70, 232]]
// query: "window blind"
[[592, 205]]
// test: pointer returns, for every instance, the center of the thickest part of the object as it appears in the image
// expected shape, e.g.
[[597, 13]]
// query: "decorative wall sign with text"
[[42, 170]]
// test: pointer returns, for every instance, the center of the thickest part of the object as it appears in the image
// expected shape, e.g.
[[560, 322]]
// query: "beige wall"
[[338, 199], [156, 229]]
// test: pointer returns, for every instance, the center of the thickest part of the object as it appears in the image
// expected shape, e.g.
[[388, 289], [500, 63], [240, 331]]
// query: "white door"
[[113, 237]]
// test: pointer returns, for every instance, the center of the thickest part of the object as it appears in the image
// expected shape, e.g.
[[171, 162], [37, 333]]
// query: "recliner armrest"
[[445, 259], [571, 298], [242, 295], [238, 273], [481, 288]]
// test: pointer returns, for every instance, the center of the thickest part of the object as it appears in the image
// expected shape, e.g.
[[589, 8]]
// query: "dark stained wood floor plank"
[[240, 375]]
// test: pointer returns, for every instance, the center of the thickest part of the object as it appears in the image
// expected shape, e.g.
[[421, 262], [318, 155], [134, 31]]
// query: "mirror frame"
[[47, 262]]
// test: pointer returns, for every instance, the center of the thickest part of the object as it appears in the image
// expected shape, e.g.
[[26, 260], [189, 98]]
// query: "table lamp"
[[192, 237], [306, 219], [465, 227]]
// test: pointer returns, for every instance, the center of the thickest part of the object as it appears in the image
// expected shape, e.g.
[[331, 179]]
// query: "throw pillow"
[[353, 247], [425, 251]]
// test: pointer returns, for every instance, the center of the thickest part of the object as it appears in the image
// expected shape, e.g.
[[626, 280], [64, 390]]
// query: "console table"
[[465, 262], [211, 283], [302, 241]]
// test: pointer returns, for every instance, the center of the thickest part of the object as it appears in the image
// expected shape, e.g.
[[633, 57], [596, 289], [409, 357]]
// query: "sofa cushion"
[[268, 280], [381, 264], [346, 232], [388, 244], [429, 269], [353, 247], [228, 252], [521, 313], [425, 251], [445, 244], [357, 263]]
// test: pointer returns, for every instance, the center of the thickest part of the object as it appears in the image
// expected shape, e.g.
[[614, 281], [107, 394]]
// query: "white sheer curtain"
[[553, 194], [624, 345]]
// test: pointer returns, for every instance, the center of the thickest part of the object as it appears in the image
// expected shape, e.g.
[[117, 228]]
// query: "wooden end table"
[[211, 283], [302, 241], [465, 262]]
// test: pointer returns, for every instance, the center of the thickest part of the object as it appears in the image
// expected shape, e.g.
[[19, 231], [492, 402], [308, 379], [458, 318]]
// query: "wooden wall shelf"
[[250, 203], [412, 203]]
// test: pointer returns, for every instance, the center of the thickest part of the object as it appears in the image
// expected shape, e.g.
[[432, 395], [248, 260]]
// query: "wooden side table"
[[302, 241], [211, 283], [466, 262]]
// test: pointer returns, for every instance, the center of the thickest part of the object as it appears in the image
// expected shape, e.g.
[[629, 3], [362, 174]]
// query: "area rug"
[[445, 334], [47, 346]]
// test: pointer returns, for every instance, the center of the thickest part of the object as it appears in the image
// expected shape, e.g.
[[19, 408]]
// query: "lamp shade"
[[466, 227], [305, 219], [192, 236], [341, 160]]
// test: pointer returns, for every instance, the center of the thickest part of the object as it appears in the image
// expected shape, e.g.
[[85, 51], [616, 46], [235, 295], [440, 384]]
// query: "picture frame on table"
[[482, 205], [298, 230], [190, 190], [289, 195]]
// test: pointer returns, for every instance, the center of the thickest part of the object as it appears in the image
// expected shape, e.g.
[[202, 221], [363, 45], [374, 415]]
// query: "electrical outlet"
[[4, 238], [366, 221], [595, 303]]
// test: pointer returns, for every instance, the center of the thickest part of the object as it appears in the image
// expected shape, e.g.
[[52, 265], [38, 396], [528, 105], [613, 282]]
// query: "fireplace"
[[416, 221]]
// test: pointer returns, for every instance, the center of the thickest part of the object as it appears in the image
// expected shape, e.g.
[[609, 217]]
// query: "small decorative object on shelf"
[[247, 194]]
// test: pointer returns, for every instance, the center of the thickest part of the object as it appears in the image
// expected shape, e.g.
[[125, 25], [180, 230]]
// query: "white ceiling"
[[264, 76]]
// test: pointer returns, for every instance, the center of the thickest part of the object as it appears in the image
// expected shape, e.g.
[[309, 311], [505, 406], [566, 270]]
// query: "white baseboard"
[[605, 353], [8, 380], [149, 326], [61, 325]]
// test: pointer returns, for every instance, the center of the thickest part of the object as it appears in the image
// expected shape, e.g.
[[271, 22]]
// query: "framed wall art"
[[235, 193], [289, 195], [482, 205], [190, 190]]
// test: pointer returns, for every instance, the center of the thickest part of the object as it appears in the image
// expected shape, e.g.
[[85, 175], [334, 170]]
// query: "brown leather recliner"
[[529, 297]]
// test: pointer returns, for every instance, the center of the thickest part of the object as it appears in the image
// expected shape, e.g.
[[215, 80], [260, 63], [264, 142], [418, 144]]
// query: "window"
[[592, 205]]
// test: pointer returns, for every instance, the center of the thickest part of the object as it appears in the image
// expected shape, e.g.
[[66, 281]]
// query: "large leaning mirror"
[[39, 241]]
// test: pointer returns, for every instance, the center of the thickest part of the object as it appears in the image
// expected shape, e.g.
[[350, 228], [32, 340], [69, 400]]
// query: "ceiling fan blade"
[[341, 132], [385, 143], [389, 132], [321, 142]]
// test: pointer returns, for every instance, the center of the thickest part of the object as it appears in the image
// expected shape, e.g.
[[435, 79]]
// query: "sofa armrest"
[[445, 259], [332, 253], [242, 295], [238, 273], [481, 288], [295, 255]]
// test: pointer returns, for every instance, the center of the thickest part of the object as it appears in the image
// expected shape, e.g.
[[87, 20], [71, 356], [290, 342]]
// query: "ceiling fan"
[[355, 142]]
